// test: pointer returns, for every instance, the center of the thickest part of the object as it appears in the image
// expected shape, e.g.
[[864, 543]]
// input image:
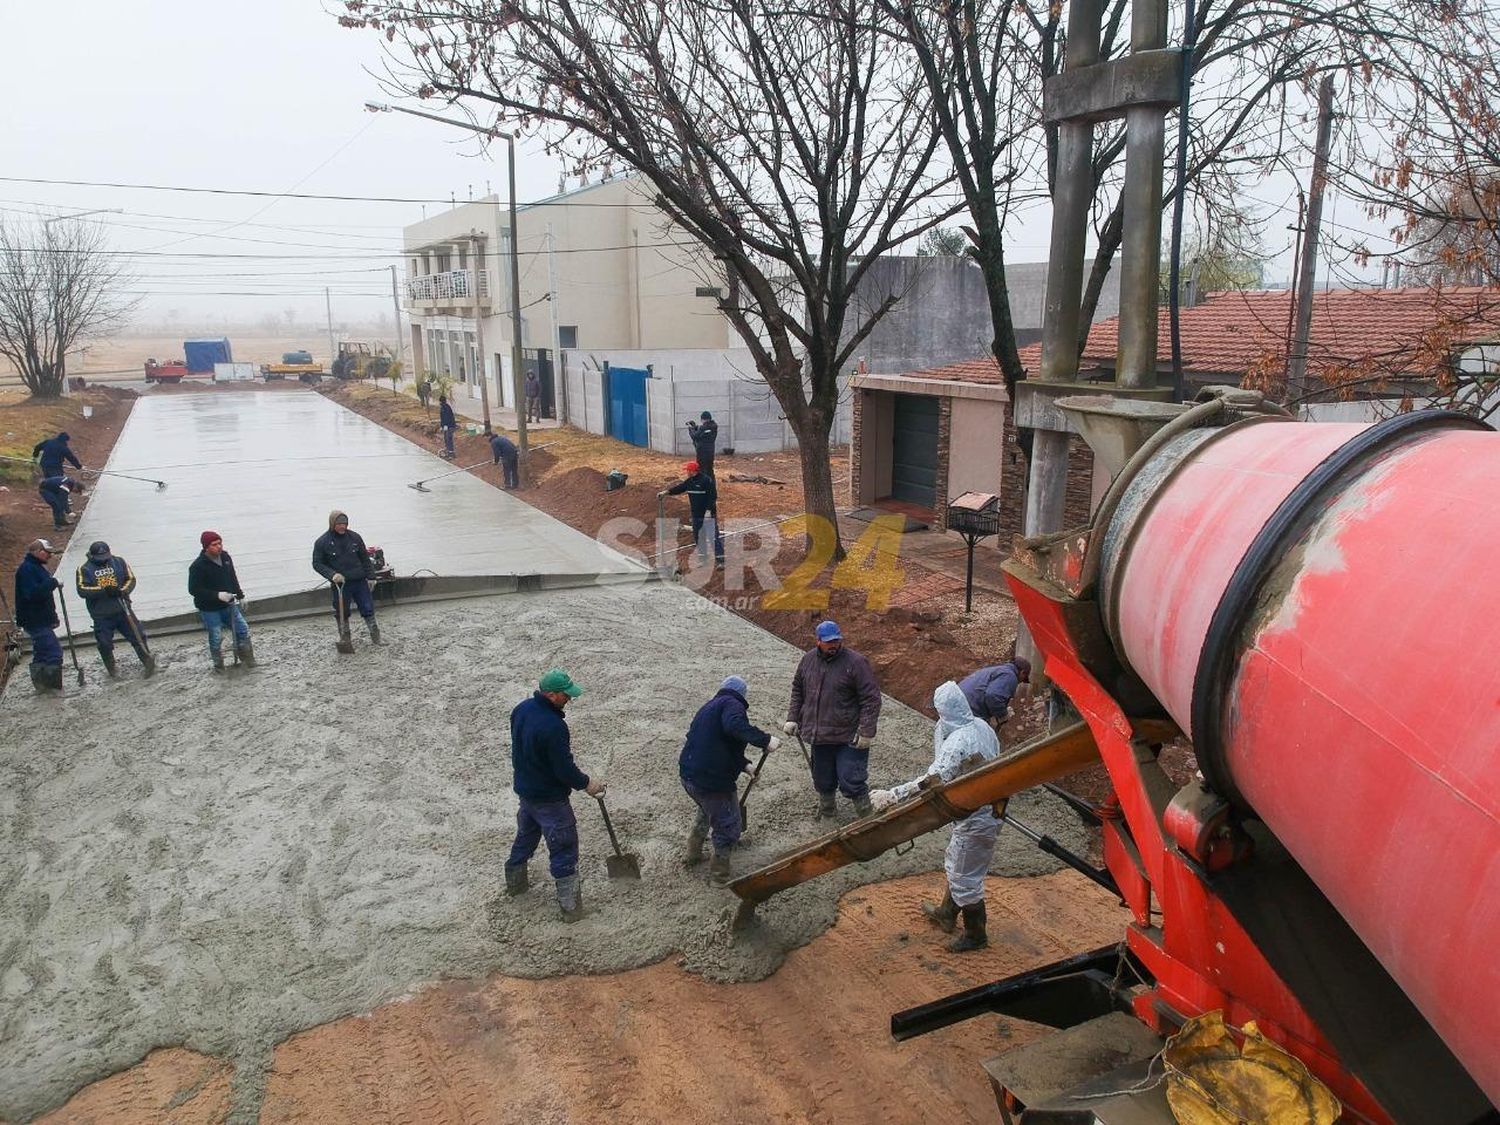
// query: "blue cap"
[[735, 683], [829, 631]]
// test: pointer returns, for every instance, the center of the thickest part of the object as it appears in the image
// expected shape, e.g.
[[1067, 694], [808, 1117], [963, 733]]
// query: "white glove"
[[774, 744], [863, 742], [662, 495], [338, 579], [789, 728], [881, 798], [225, 596]]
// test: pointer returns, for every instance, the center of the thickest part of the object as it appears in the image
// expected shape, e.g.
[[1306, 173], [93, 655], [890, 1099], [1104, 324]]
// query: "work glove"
[[225, 596], [774, 744], [882, 798], [662, 495], [338, 579], [595, 787], [863, 741], [789, 728], [56, 585]]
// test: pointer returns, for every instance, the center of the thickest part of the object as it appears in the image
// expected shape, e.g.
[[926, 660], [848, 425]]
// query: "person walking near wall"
[[217, 597], [105, 583], [960, 742], [340, 556], [448, 423], [712, 759], [424, 391], [36, 612], [533, 397], [544, 777], [704, 432], [835, 707]]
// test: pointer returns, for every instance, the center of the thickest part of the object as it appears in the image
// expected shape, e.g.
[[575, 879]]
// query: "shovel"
[[621, 865], [749, 785], [63, 601], [343, 644]]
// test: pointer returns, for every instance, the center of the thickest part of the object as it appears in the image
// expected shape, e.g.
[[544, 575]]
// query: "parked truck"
[[298, 365]]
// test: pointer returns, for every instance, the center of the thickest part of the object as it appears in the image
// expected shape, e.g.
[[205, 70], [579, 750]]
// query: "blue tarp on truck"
[[201, 355]]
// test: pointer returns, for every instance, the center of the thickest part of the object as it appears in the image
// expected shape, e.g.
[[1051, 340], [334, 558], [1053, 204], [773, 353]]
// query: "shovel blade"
[[624, 866], [344, 644]]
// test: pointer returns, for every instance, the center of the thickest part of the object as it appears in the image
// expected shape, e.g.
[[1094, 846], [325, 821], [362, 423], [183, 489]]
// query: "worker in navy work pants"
[[712, 759], [544, 777], [835, 707], [36, 612]]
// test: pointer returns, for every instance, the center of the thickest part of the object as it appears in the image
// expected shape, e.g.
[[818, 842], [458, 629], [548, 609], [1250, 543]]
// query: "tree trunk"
[[43, 380], [817, 474]]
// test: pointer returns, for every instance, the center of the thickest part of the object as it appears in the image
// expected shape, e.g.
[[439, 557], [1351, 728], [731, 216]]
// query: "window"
[[567, 335], [709, 291]]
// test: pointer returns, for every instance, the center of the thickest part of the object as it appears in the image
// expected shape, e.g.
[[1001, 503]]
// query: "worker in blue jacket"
[[544, 777], [505, 453], [447, 422], [990, 690], [50, 453], [703, 503], [105, 583], [712, 759], [36, 612], [57, 492]]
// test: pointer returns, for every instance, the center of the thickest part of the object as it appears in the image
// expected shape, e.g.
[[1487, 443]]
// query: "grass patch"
[[23, 423]]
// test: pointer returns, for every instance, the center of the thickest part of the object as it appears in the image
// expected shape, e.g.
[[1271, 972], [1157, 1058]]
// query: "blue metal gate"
[[625, 390]]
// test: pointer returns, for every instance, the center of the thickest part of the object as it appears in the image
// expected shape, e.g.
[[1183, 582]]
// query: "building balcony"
[[453, 288]]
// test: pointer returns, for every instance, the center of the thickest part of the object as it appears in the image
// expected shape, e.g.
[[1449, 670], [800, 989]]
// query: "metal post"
[[1296, 371], [476, 256], [1140, 257], [396, 309], [333, 352], [517, 380], [559, 376]]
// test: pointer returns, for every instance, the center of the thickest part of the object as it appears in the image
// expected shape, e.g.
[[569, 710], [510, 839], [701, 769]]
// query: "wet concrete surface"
[[264, 470]]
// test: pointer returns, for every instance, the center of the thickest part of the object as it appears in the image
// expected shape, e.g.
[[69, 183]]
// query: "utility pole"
[[517, 379], [396, 311], [333, 352], [476, 258], [559, 378], [1296, 368]]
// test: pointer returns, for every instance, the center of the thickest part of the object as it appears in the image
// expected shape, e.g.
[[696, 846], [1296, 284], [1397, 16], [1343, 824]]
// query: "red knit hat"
[[210, 537]]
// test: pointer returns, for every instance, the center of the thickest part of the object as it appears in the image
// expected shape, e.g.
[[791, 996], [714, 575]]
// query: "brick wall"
[[856, 413], [1077, 506]]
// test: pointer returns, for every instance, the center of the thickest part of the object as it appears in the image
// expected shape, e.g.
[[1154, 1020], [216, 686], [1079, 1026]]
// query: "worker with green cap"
[[544, 777]]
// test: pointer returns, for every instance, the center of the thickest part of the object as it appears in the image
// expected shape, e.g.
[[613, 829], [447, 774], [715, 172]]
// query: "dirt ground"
[[660, 1044]]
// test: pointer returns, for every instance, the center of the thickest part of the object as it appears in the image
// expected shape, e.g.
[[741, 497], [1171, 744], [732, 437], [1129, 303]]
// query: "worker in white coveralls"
[[960, 742]]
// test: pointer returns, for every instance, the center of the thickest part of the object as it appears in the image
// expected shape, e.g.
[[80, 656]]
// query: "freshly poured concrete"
[[263, 470]]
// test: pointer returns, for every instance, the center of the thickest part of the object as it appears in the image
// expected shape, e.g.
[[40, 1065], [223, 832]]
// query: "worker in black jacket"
[[219, 600], [703, 502], [340, 556], [448, 423], [50, 453], [105, 583], [704, 432], [36, 612]]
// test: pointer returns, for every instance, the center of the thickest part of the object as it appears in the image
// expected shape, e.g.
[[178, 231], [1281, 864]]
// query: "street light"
[[81, 214], [517, 382]]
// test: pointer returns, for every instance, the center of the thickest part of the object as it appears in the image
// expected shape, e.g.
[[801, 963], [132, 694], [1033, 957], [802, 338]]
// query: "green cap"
[[558, 680]]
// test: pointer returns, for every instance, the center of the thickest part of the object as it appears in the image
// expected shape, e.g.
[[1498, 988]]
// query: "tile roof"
[[1234, 333]]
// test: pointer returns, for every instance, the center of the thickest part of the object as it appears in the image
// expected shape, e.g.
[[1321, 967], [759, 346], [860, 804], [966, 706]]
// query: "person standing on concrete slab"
[[448, 423], [990, 690], [960, 742], [340, 556], [36, 612], [835, 707], [217, 596], [105, 583], [703, 501], [505, 453], [712, 759], [704, 432], [533, 397], [50, 453], [57, 491], [544, 777]]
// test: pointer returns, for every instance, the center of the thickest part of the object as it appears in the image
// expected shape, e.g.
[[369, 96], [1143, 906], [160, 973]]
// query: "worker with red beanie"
[[218, 598], [703, 501]]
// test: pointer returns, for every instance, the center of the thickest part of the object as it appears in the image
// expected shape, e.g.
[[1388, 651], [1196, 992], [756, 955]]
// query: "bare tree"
[[59, 284], [786, 139]]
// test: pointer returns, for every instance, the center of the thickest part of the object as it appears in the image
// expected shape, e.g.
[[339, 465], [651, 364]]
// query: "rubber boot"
[[973, 936], [374, 630], [109, 664], [246, 652], [944, 915], [862, 806], [40, 680], [148, 662], [218, 658], [718, 868], [826, 805], [570, 898], [516, 880], [55, 676], [692, 856]]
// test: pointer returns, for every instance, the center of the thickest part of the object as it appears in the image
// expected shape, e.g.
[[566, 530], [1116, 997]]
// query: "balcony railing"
[[451, 286]]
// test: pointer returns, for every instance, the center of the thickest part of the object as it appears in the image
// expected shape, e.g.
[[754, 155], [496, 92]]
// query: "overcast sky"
[[262, 97]]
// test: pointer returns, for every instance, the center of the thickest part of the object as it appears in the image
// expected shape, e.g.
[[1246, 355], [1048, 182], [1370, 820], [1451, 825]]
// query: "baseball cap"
[[829, 631], [99, 550], [41, 545], [558, 680]]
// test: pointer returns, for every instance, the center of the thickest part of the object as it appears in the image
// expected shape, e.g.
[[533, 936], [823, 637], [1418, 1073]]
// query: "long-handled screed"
[[161, 485], [63, 601], [621, 865], [421, 485], [749, 785], [344, 644]]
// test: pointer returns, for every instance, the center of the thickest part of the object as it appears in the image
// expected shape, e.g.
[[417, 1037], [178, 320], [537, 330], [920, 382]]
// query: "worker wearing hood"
[[960, 742]]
